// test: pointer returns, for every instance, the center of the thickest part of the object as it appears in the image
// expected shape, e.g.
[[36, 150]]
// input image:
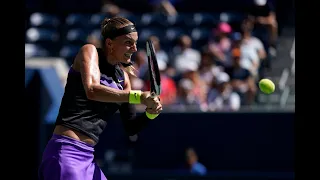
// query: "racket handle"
[[154, 95]]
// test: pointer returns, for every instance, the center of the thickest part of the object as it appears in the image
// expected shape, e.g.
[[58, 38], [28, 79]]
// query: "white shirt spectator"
[[185, 59], [227, 100], [249, 54], [162, 56]]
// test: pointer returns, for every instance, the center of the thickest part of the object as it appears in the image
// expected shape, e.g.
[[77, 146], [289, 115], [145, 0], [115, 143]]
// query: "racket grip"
[[154, 95]]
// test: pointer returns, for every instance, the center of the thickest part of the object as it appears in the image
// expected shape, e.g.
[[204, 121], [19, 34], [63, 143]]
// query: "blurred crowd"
[[220, 73], [220, 76]]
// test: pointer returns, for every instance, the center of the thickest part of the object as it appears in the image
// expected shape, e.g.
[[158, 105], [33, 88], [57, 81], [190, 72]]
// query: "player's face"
[[124, 46]]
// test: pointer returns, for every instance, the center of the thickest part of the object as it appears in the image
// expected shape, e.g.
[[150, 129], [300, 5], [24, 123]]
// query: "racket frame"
[[154, 73]]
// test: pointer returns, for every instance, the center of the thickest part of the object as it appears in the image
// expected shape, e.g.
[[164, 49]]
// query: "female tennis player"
[[96, 88]]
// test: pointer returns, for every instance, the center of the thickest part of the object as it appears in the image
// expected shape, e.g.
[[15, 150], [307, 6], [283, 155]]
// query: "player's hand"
[[156, 110], [150, 101]]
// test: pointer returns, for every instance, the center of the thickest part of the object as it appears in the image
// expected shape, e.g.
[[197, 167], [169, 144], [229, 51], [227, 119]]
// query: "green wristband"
[[151, 116], [134, 97]]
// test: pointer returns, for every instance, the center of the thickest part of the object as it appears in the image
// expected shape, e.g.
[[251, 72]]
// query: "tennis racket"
[[154, 73]]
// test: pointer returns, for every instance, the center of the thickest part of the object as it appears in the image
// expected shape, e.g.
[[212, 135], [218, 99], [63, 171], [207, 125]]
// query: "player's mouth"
[[128, 55]]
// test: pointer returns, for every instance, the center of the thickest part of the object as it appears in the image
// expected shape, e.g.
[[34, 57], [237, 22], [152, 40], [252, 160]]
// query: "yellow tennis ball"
[[266, 86]]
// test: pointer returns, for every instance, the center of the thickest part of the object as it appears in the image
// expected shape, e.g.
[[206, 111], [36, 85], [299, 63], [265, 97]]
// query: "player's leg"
[[50, 169], [69, 167], [53, 169], [98, 174], [67, 159], [76, 160]]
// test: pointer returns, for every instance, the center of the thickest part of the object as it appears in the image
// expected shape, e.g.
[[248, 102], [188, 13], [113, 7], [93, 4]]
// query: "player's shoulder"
[[88, 47]]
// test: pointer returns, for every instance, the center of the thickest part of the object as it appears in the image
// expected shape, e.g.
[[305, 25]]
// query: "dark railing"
[[230, 145]]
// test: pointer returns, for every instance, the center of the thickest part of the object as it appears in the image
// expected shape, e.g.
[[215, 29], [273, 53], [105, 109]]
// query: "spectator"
[[264, 15], [168, 86], [161, 55], [220, 45], [165, 6], [252, 49], [236, 38], [112, 9], [200, 89], [140, 64], [195, 166], [184, 56], [241, 80], [221, 97], [186, 97], [208, 69]]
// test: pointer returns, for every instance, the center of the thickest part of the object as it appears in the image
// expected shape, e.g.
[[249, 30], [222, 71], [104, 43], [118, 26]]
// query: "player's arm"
[[133, 123], [87, 60]]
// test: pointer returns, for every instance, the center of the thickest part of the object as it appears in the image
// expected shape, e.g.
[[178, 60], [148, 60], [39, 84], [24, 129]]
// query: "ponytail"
[[129, 68]]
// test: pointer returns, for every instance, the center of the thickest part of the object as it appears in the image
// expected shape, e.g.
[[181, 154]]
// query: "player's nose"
[[134, 48]]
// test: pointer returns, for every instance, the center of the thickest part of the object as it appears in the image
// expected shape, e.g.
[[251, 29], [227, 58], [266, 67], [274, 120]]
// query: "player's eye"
[[129, 43]]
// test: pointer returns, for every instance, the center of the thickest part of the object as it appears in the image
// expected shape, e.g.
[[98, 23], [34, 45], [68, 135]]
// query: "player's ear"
[[109, 43]]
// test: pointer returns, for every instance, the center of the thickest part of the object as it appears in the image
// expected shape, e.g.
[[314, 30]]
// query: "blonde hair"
[[111, 24], [130, 70]]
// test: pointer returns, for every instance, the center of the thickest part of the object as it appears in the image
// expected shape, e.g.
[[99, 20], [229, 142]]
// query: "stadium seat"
[[202, 19], [232, 18], [34, 35], [172, 34], [145, 33], [44, 20], [35, 50], [151, 20], [96, 33], [200, 36], [96, 19], [77, 20], [176, 21], [69, 51], [132, 17], [76, 35]]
